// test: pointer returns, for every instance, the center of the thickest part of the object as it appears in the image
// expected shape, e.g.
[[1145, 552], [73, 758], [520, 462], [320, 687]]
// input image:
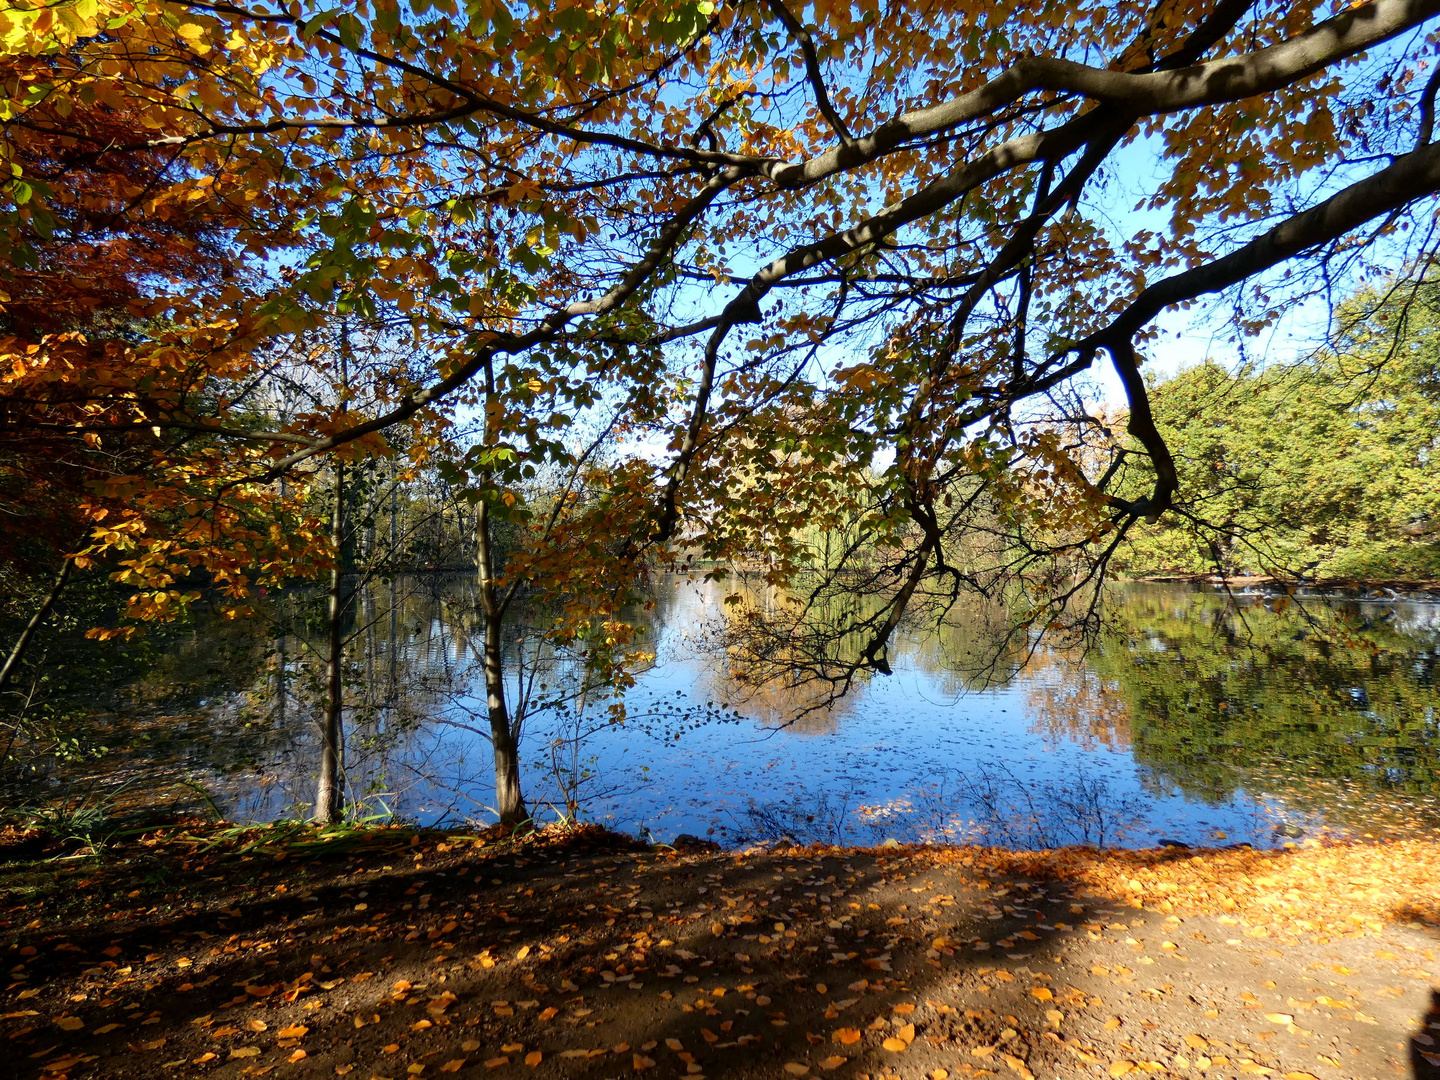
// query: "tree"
[[776, 242], [1321, 467]]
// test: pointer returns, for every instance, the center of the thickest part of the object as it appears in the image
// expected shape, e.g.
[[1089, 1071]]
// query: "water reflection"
[[1197, 717]]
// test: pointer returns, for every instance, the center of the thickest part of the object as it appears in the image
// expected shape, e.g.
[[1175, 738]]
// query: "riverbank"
[[1339, 588], [394, 953]]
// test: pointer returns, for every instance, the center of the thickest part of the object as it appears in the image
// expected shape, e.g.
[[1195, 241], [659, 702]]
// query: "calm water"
[[1197, 717]]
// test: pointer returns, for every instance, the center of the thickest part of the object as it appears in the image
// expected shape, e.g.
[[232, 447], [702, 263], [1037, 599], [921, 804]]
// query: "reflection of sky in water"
[[902, 756]]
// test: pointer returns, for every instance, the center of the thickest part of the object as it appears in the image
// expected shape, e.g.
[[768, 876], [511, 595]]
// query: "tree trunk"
[[509, 802], [27, 635], [330, 789]]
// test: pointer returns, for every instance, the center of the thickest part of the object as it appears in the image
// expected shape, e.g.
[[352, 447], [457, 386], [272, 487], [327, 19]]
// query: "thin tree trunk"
[[509, 802], [22, 643], [330, 790]]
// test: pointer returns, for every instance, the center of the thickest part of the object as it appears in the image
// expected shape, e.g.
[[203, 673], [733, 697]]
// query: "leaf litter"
[[583, 954]]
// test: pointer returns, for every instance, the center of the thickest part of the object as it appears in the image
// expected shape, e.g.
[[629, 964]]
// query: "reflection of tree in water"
[[1219, 691], [1071, 702], [971, 647], [782, 657], [403, 659], [751, 669]]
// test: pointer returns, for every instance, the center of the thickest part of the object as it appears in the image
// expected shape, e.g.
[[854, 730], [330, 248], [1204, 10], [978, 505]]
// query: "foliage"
[[1323, 469], [651, 279]]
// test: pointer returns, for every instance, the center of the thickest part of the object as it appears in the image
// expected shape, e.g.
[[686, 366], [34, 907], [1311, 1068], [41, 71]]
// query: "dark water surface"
[[1198, 717]]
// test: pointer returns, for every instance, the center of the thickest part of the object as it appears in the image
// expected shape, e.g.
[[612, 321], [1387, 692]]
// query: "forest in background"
[[1323, 469]]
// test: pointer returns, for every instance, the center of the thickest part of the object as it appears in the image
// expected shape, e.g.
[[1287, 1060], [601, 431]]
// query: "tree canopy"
[[793, 265]]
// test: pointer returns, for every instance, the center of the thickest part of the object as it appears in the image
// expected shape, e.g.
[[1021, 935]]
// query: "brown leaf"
[[641, 1062], [795, 1068], [454, 1065], [533, 1058], [834, 1061], [496, 1062]]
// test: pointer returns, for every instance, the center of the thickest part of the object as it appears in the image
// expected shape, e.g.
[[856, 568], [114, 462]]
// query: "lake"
[[1196, 717]]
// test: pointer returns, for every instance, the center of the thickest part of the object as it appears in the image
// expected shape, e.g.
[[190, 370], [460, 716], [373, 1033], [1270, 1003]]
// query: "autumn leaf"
[[846, 1036]]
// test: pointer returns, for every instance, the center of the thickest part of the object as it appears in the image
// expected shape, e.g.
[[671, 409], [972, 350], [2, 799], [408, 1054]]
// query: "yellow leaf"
[[453, 1066], [895, 1045], [294, 1031], [834, 1061], [795, 1068], [641, 1062], [70, 1023], [1280, 1018], [533, 1058], [1040, 993], [496, 1062], [846, 1036], [1120, 1068]]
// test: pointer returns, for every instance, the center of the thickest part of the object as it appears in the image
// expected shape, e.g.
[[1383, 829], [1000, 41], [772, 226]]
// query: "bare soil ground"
[[397, 954]]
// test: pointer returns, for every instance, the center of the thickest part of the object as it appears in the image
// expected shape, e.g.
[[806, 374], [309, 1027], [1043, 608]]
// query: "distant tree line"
[[1324, 468]]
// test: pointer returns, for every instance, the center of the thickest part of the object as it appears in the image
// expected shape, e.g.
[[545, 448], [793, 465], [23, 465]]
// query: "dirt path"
[[402, 960]]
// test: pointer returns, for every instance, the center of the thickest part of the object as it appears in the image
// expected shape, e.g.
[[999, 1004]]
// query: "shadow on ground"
[[410, 955]]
